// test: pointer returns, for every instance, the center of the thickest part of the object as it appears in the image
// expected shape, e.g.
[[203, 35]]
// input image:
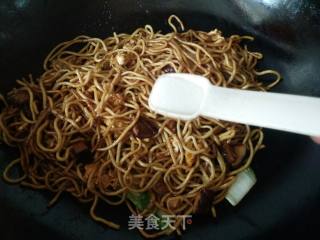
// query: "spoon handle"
[[292, 113]]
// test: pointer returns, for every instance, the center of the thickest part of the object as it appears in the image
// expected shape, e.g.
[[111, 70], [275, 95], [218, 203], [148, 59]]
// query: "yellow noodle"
[[98, 96]]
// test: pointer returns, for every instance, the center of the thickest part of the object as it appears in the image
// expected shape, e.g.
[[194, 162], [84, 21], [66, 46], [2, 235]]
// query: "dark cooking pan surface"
[[288, 170]]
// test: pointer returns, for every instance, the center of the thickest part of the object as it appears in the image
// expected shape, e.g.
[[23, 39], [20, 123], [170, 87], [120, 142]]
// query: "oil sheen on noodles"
[[84, 126]]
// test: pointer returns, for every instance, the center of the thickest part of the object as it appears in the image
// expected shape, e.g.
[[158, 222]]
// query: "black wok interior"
[[286, 198]]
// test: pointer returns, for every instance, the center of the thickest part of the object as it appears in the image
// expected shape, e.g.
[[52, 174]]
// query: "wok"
[[285, 200]]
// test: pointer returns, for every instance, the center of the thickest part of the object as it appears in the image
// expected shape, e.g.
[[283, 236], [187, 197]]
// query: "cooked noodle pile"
[[84, 126]]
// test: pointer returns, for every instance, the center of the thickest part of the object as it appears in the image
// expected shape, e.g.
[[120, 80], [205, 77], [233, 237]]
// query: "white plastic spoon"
[[187, 96]]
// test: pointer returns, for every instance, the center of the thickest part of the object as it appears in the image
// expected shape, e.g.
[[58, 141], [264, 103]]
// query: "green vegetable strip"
[[140, 200]]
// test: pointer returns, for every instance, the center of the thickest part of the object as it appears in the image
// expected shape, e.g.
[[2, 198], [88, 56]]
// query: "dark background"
[[285, 201]]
